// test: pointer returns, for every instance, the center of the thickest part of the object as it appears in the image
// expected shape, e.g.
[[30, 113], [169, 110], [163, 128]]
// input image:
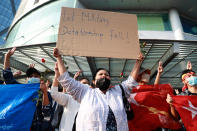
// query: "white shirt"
[[71, 107], [93, 111]]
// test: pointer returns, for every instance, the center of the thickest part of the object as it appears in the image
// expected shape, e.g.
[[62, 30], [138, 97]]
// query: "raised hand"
[[169, 99], [31, 65], [11, 52], [160, 67], [77, 74], [189, 65], [140, 57], [56, 52]]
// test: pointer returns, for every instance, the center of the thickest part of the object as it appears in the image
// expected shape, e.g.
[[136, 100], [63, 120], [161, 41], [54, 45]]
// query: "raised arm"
[[60, 97], [7, 73], [60, 62], [7, 58], [130, 83], [173, 111], [73, 87], [136, 67], [159, 71]]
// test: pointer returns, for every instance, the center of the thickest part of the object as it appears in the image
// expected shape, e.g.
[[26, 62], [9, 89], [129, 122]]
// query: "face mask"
[[103, 84], [145, 78], [33, 80], [192, 81]]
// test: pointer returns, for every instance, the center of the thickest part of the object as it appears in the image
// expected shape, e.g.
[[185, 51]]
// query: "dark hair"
[[185, 72], [94, 75], [82, 78], [60, 88], [31, 71], [1, 82]]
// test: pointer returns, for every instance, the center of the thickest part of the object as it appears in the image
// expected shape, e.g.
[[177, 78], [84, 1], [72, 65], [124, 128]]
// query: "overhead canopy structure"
[[186, 8], [173, 54]]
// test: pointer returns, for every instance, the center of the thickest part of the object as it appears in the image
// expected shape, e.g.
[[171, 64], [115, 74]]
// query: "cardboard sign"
[[93, 33]]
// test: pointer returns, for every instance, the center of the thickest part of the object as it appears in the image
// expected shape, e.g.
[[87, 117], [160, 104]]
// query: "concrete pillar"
[[176, 24]]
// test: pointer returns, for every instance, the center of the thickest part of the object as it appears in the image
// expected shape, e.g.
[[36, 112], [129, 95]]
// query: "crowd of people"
[[70, 103]]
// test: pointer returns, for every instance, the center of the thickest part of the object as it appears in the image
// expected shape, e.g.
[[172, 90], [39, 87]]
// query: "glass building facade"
[[8, 10], [189, 26]]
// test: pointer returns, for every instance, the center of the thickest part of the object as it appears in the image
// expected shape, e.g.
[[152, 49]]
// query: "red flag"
[[150, 108], [187, 109]]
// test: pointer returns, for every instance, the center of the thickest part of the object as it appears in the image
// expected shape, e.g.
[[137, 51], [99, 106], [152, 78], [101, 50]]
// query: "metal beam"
[[33, 59], [92, 64], [166, 58], [48, 54], [124, 67], [78, 65], [15, 64], [147, 53], [180, 61]]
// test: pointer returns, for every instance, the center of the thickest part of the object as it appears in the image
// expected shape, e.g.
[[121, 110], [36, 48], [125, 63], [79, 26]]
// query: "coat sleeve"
[[73, 87], [128, 85]]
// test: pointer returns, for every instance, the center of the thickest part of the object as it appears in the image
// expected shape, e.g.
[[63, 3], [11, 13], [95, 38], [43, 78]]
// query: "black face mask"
[[103, 84]]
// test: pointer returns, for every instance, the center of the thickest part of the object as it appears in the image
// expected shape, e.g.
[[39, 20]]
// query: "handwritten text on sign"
[[85, 32]]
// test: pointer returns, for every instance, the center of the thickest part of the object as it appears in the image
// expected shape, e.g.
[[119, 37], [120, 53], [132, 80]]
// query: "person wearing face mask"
[[189, 80], [101, 108], [33, 76]]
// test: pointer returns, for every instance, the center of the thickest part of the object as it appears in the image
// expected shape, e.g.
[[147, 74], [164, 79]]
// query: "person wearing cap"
[[101, 108]]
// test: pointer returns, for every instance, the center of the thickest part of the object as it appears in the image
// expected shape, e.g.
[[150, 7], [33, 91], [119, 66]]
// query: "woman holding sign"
[[101, 108]]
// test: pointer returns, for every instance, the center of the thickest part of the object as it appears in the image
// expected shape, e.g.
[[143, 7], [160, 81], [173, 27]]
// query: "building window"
[[156, 22], [189, 26], [36, 1]]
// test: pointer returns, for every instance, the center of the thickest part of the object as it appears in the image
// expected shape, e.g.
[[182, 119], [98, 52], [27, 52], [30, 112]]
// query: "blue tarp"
[[17, 106]]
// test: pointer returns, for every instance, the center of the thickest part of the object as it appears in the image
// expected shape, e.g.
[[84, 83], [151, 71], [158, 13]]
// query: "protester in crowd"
[[48, 84], [144, 77], [189, 79], [101, 108], [33, 76], [83, 80], [71, 106], [189, 67]]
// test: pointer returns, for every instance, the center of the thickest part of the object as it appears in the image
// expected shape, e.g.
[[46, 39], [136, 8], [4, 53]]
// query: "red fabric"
[[151, 110], [185, 105], [184, 87]]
